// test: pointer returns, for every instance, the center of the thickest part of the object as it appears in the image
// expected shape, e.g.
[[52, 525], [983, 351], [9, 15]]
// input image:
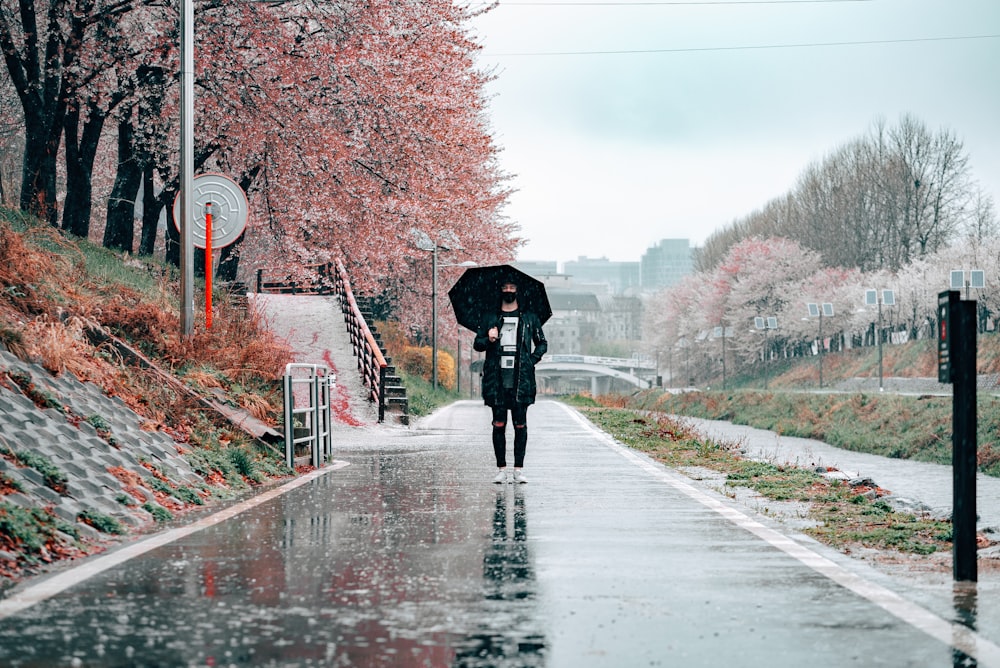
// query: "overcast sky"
[[626, 122]]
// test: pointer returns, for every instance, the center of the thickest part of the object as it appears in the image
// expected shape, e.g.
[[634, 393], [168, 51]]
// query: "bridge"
[[599, 370]]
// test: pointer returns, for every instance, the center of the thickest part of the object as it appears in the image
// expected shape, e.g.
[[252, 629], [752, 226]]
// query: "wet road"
[[409, 556]]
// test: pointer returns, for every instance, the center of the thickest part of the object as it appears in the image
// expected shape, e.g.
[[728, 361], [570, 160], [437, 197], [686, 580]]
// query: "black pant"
[[519, 415]]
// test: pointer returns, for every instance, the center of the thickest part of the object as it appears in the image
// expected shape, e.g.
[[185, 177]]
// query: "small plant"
[[54, 478], [245, 464], [8, 484], [41, 398], [188, 495], [125, 499], [103, 429], [98, 422], [19, 528], [159, 513], [101, 522]]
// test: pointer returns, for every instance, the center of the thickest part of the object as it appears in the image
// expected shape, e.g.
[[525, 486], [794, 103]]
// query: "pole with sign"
[[224, 209], [957, 365]]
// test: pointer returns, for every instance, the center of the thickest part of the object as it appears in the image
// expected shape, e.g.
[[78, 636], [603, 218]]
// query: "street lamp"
[[425, 243], [887, 297], [766, 325], [826, 308], [976, 279], [722, 332]]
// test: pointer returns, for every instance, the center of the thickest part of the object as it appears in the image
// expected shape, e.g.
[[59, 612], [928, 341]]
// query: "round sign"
[[229, 210]]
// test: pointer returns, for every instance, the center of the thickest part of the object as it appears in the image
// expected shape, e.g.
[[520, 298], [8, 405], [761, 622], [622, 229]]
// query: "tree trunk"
[[80, 156], [120, 230], [38, 171], [173, 235], [151, 208], [229, 258]]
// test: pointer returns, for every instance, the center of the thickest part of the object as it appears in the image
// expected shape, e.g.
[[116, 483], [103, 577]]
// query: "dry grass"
[[47, 302], [257, 406]]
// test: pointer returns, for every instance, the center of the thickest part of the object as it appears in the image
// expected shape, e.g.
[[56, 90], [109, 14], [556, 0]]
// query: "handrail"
[[371, 362], [314, 414]]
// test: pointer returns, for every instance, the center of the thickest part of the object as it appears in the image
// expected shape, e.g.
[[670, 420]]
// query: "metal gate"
[[307, 411]]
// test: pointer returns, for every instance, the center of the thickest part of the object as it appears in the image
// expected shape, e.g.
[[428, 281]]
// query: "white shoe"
[[519, 477], [501, 477]]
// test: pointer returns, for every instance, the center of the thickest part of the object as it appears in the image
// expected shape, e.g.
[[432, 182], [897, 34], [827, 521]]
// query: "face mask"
[[509, 297]]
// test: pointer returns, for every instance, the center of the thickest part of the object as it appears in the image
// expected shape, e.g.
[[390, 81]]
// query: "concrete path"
[[405, 554]]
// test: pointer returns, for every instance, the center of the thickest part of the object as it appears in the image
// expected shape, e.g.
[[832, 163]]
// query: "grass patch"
[[896, 426], [580, 400], [54, 478], [421, 396], [845, 515], [101, 522], [159, 513]]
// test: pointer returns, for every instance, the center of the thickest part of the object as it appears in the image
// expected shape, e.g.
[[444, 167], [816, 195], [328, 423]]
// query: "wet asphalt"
[[405, 554]]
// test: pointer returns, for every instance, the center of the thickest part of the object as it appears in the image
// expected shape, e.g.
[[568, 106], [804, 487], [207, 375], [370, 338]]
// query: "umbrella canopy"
[[476, 295]]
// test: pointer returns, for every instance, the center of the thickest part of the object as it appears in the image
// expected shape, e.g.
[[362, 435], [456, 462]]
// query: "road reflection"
[[508, 577], [966, 600]]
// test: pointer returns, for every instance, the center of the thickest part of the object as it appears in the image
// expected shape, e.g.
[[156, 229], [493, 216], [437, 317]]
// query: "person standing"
[[514, 343]]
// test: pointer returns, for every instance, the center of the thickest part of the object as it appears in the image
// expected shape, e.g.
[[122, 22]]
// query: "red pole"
[[208, 265]]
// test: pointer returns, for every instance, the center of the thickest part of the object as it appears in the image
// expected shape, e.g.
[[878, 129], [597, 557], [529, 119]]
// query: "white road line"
[[49, 587], [984, 651]]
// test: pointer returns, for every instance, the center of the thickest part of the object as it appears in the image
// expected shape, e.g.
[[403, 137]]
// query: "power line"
[[742, 48]]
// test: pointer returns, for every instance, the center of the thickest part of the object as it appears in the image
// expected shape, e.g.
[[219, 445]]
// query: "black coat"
[[531, 345]]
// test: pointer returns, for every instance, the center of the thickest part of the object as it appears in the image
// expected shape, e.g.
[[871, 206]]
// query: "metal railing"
[[371, 362], [307, 411]]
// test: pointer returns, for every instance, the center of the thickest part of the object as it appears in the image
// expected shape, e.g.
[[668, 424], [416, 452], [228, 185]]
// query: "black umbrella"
[[476, 295]]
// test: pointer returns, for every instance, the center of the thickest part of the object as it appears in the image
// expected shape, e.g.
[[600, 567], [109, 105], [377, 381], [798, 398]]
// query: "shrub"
[[416, 361]]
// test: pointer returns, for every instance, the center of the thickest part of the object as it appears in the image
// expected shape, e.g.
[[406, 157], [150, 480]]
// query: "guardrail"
[[372, 363], [307, 411], [616, 362]]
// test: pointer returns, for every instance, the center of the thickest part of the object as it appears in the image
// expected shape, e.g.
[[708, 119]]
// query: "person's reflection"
[[510, 581], [506, 568]]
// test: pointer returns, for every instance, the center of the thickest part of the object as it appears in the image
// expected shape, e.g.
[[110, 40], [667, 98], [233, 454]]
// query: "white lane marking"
[[984, 651], [49, 587]]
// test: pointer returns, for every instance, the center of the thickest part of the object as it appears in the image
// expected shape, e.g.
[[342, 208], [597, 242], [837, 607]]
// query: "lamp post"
[[873, 298], [976, 279], [434, 349], [766, 325], [425, 243], [722, 332], [826, 308]]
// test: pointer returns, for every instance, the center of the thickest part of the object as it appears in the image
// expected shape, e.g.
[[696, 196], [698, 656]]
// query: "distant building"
[[574, 318], [665, 264], [620, 277], [538, 269]]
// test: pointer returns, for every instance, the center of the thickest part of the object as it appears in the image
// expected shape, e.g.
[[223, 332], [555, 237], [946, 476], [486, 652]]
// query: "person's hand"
[[493, 334]]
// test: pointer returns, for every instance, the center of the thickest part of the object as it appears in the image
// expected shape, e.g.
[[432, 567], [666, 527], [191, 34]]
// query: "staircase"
[[394, 392]]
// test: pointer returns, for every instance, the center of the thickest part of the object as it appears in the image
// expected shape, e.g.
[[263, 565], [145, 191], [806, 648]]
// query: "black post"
[[962, 348]]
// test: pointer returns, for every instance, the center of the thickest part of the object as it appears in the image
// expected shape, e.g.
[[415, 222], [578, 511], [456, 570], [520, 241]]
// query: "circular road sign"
[[229, 209]]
